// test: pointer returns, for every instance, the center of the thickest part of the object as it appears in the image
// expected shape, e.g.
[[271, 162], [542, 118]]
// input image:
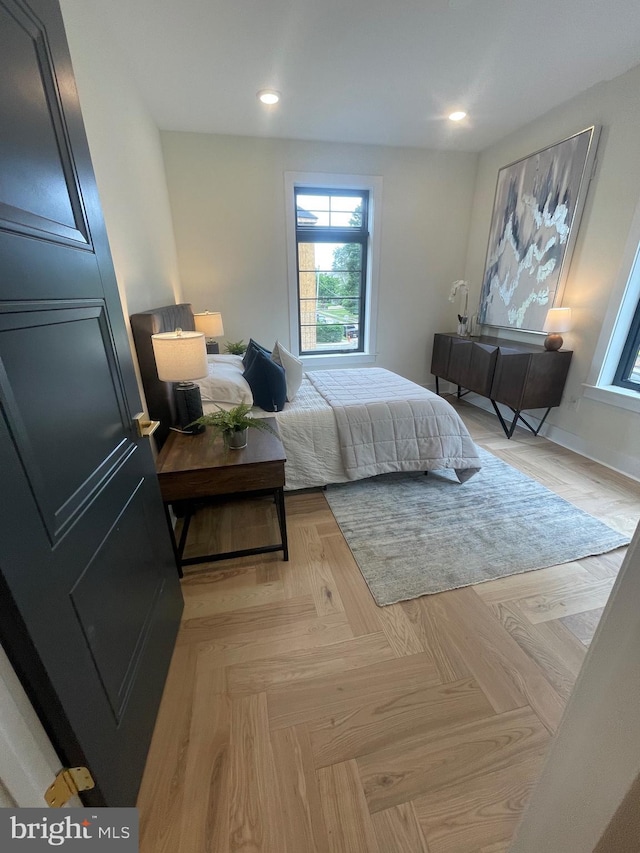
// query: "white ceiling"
[[385, 72]]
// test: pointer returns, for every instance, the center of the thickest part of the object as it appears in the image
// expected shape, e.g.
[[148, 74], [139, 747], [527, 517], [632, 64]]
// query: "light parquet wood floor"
[[299, 717]]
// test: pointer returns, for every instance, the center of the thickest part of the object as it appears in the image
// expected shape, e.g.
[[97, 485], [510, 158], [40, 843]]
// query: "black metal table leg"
[[172, 536], [502, 420], [517, 416], [282, 518], [540, 425], [185, 531]]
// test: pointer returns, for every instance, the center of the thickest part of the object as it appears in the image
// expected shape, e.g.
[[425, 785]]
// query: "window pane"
[[313, 202], [346, 212], [329, 211], [308, 217], [344, 220], [330, 285], [307, 294], [634, 375], [329, 336], [331, 258], [628, 373], [307, 257]]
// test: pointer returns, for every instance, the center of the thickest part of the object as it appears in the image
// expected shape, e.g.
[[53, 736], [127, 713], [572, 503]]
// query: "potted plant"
[[235, 347], [233, 424]]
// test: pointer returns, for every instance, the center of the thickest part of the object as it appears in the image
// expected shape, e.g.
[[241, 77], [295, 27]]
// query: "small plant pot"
[[237, 439]]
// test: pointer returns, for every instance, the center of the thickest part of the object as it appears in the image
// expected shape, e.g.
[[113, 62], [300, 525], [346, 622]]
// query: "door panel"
[[39, 194], [84, 419], [89, 596], [120, 563]]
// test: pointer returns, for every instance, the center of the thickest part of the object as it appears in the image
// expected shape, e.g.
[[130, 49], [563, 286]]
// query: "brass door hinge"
[[68, 782]]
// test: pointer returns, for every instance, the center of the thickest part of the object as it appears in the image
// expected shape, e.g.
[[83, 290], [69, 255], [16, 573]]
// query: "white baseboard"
[[610, 457], [607, 456]]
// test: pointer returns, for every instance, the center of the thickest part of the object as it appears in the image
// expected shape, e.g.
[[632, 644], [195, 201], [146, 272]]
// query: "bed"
[[341, 425]]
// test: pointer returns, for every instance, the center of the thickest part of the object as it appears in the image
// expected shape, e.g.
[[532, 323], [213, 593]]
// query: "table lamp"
[[210, 324], [181, 357], [558, 320]]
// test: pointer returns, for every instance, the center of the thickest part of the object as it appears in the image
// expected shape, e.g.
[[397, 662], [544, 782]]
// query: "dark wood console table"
[[520, 376]]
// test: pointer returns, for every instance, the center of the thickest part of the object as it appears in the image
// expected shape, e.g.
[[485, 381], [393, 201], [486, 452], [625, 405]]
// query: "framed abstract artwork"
[[536, 213]]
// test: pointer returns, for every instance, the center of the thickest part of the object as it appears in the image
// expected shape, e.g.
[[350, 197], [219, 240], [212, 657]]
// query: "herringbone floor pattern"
[[299, 717]]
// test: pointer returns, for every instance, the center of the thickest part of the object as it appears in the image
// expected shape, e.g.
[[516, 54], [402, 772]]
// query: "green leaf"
[[234, 420]]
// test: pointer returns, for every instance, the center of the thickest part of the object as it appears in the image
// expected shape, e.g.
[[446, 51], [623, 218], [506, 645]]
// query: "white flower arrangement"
[[461, 287]]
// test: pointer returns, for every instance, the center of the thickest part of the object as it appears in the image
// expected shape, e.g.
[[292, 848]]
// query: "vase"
[[237, 439], [462, 329]]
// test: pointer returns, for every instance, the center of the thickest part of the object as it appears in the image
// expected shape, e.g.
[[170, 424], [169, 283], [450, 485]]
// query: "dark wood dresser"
[[520, 376]]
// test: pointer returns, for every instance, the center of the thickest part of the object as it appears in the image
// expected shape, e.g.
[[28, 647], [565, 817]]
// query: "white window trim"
[[343, 182], [615, 328], [614, 395]]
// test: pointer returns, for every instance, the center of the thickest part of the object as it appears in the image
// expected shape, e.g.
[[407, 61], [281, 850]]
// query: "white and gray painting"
[[535, 208]]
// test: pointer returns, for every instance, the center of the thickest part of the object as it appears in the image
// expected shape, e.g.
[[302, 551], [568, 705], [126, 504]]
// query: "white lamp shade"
[[558, 320], [209, 323], [180, 356]]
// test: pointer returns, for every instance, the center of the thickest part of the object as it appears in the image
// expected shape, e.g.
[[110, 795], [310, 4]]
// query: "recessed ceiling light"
[[458, 115], [268, 96]]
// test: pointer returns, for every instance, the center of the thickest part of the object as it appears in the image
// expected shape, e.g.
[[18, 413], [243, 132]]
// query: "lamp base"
[[189, 406], [553, 342], [213, 348]]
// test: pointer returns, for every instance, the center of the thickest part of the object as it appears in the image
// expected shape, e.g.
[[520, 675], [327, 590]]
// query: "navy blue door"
[[89, 597]]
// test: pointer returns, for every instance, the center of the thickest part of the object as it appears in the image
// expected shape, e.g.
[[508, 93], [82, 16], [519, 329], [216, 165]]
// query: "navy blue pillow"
[[267, 382], [252, 348]]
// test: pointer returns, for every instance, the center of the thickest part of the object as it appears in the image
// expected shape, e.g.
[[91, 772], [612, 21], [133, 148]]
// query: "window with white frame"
[[614, 377], [627, 374], [332, 261]]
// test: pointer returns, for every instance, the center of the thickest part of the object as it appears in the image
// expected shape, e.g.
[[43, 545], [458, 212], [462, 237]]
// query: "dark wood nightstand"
[[192, 468]]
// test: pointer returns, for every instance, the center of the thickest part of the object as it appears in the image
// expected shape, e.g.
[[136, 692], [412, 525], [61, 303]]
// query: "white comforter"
[[387, 423], [309, 430]]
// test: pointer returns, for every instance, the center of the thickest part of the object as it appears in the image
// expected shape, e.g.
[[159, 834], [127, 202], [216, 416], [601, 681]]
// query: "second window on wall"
[[627, 374], [332, 249]]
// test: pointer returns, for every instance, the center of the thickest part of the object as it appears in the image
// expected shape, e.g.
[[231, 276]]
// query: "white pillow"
[[225, 384], [226, 359], [293, 370]]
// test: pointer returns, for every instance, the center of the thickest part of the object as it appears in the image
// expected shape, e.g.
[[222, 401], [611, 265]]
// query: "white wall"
[[28, 762], [598, 430], [227, 199], [127, 159]]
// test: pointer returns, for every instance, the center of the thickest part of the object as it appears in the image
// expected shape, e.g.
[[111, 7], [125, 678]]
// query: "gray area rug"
[[413, 535]]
